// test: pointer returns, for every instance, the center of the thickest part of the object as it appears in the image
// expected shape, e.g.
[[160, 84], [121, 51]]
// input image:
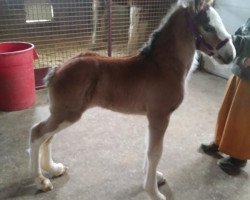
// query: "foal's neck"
[[174, 43]]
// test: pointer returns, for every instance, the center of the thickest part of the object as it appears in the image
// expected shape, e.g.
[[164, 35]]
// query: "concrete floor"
[[105, 151]]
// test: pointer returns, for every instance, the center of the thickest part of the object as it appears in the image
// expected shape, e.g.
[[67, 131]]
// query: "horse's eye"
[[208, 28]]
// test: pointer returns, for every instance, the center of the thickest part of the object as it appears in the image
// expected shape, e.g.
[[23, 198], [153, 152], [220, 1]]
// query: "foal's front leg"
[[157, 127]]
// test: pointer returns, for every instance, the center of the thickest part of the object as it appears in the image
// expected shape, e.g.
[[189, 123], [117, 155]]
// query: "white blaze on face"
[[222, 33], [216, 22]]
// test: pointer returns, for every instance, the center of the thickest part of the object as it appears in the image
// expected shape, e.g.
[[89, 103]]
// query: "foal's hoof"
[[160, 179], [43, 184], [59, 169], [160, 197]]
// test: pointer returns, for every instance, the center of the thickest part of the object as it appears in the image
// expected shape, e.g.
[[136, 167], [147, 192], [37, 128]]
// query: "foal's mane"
[[149, 46]]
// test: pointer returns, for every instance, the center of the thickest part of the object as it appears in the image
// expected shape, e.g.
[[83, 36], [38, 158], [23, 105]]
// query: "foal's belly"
[[121, 98], [123, 106], [129, 110]]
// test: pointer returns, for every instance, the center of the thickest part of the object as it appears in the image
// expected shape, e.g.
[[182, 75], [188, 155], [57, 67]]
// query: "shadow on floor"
[[27, 188]]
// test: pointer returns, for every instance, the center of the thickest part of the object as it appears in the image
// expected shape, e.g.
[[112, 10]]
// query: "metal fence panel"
[[61, 28]]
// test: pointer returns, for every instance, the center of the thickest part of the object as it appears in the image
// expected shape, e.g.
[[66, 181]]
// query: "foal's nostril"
[[226, 59], [229, 59]]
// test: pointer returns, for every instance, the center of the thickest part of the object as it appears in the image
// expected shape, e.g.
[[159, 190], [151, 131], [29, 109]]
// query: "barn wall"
[[69, 28], [233, 13]]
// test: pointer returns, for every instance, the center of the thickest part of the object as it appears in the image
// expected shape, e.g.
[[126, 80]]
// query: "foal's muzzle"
[[226, 59], [226, 53], [200, 41]]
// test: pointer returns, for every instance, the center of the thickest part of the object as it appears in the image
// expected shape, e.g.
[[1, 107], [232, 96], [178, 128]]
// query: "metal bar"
[[110, 29]]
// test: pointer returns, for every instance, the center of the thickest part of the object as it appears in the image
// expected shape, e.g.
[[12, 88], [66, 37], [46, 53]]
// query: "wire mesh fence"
[[61, 28]]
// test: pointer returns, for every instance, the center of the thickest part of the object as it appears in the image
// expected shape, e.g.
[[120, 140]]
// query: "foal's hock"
[[150, 83]]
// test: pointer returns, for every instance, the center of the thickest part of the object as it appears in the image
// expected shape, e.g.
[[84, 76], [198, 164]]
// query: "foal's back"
[[127, 84]]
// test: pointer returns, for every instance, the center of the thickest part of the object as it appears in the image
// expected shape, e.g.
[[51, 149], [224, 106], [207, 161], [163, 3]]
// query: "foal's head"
[[210, 33]]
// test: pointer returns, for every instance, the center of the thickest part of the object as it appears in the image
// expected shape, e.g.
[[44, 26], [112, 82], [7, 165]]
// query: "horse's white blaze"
[[216, 22]]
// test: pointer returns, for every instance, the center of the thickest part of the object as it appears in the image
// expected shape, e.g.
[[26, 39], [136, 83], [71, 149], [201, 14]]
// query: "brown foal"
[[150, 83]]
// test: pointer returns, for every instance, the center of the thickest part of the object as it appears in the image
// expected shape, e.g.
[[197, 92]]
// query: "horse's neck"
[[176, 43]]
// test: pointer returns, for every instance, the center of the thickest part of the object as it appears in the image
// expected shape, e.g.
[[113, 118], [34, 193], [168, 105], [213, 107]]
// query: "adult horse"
[[140, 20], [151, 83]]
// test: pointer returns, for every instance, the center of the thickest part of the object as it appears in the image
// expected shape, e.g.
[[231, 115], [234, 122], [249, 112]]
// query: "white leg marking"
[[157, 126], [42, 183], [47, 163], [133, 28], [150, 184], [95, 7]]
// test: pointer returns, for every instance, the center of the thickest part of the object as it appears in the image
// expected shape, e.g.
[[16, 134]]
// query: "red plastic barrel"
[[17, 85]]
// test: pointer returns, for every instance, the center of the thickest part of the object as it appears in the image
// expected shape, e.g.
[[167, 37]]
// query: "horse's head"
[[210, 33]]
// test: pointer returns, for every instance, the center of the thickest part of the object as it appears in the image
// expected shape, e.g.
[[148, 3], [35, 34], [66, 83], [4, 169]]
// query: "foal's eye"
[[208, 28]]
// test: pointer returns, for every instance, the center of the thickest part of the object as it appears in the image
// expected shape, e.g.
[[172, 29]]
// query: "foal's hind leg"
[[40, 133], [47, 163], [157, 127]]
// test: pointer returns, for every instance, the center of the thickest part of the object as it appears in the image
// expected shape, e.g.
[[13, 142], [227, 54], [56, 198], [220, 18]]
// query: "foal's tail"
[[49, 77]]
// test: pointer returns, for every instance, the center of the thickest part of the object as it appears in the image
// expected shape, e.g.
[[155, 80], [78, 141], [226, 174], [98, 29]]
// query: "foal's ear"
[[202, 4]]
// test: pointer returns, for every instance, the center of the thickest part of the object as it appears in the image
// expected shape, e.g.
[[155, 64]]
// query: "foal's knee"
[[37, 132]]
